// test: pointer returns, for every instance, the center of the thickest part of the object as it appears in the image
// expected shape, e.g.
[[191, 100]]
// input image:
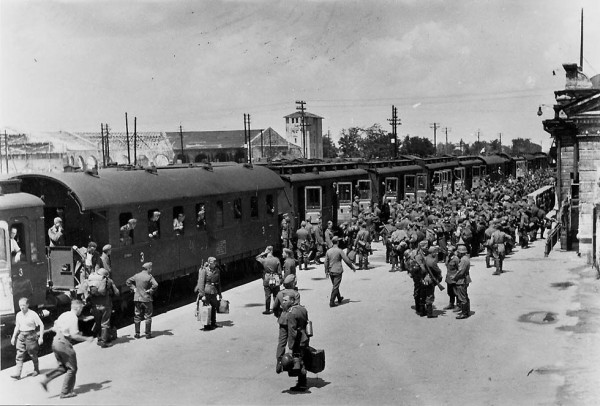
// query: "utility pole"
[[181, 141], [478, 133], [135, 140], [127, 135], [500, 135], [435, 126], [301, 108], [107, 144], [581, 45], [247, 136], [394, 122], [262, 151], [446, 129], [102, 142], [461, 146], [270, 145]]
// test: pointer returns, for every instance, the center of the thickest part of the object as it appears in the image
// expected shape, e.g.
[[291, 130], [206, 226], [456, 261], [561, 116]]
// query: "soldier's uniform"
[[463, 279], [499, 238], [452, 269], [304, 241], [272, 277], [489, 246], [431, 274], [363, 247]]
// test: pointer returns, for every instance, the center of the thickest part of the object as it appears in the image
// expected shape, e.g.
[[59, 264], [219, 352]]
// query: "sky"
[[472, 66]]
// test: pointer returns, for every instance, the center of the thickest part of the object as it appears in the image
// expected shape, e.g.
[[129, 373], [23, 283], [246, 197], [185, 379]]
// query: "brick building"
[[576, 132]]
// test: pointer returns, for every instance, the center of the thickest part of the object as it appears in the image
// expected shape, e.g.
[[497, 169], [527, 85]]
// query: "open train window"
[[178, 220], [459, 173], [313, 198], [364, 189], [409, 183], [437, 179], [201, 216], [391, 187], [421, 182], [254, 206], [154, 224], [344, 190], [4, 248], [219, 214], [18, 243], [475, 171], [237, 208], [270, 205], [126, 226]]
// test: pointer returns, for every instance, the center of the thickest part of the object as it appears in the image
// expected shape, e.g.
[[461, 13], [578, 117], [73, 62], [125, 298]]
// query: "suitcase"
[[314, 360], [223, 306], [203, 314]]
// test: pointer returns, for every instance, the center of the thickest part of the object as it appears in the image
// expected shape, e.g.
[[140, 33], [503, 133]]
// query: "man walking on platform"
[[66, 328], [143, 286], [25, 337], [334, 269], [209, 289], [272, 276]]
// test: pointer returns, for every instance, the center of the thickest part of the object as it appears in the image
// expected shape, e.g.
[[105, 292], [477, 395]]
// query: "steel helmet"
[[287, 362]]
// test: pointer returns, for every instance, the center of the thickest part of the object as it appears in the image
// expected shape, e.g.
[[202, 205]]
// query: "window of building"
[[201, 216], [154, 224], [126, 226], [270, 205], [254, 206], [219, 217], [178, 220], [237, 208]]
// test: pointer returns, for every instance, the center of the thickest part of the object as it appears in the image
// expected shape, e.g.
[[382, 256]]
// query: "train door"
[[459, 179], [421, 185], [391, 189], [521, 169], [475, 177], [313, 203], [364, 193], [344, 195], [6, 296], [410, 186], [438, 183]]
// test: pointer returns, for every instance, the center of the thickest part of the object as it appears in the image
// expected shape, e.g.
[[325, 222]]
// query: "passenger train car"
[[230, 213]]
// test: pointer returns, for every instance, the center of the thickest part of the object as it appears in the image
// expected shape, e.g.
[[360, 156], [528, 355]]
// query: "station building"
[[575, 128]]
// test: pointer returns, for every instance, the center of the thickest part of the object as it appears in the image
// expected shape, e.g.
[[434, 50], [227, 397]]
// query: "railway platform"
[[532, 339]]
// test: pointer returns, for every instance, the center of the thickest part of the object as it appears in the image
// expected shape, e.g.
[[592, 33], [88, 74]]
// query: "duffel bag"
[[314, 360], [223, 306]]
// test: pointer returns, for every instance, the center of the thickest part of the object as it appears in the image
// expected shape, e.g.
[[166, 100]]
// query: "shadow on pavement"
[[162, 333], [305, 289], [318, 279], [254, 304], [225, 323], [89, 387]]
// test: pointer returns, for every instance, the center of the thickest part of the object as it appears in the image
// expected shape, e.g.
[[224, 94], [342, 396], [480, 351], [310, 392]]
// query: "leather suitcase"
[[314, 360]]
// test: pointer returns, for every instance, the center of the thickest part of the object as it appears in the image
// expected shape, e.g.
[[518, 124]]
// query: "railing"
[[552, 239]]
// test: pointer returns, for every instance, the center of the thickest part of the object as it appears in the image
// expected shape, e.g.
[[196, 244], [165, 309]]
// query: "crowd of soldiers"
[[417, 234]]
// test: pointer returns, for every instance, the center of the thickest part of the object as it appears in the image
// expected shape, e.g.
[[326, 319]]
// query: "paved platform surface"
[[533, 339]]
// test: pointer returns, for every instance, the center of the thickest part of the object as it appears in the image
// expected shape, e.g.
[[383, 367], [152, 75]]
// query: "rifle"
[[439, 285]]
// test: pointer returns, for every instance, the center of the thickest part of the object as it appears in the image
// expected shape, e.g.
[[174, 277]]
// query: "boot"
[[302, 384], [18, 369], [487, 262], [422, 310], [137, 329], [465, 311], [450, 306], [148, 329], [267, 306], [430, 314], [36, 368], [103, 339]]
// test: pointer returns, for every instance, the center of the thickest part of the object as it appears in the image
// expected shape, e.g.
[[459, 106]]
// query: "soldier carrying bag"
[[314, 360]]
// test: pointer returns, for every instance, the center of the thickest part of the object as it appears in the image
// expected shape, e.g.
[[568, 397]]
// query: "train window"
[[313, 198], [421, 182], [201, 216], [219, 215], [364, 189], [436, 178], [154, 224], [126, 226], [409, 183], [459, 173], [482, 170], [237, 208], [17, 243], [391, 187], [475, 171], [178, 220], [270, 205], [344, 190], [253, 206]]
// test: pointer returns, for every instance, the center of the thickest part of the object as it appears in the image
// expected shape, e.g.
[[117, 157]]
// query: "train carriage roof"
[[441, 165], [113, 187], [316, 176], [471, 162], [494, 159], [19, 200], [396, 169]]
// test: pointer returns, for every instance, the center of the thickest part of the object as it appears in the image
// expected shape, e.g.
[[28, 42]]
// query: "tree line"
[[375, 143]]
